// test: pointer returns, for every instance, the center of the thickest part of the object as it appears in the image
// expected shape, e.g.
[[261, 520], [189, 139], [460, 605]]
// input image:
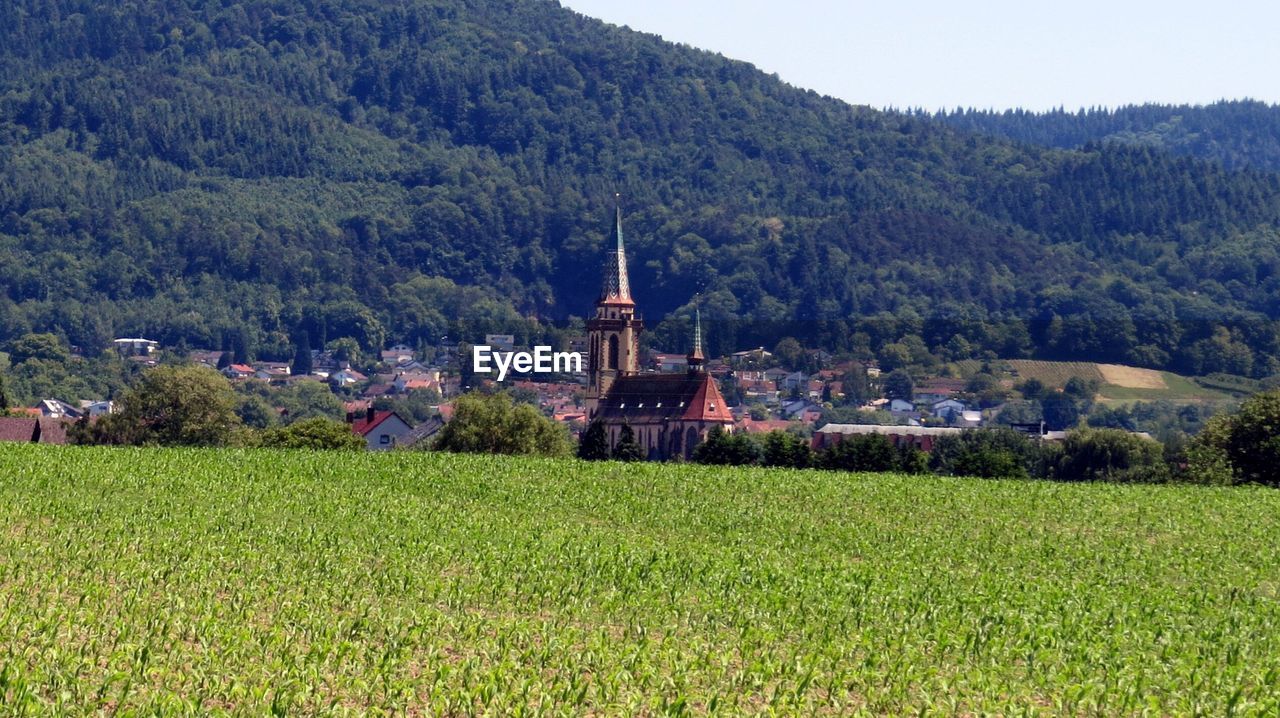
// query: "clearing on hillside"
[[153, 581], [1130, 377]]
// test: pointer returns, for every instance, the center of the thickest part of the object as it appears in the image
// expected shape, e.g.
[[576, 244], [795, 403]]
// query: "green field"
[[245, 582]]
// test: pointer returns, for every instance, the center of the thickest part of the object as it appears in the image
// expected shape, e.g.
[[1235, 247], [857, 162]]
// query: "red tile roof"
[[53, 431], [364, 425], [14, 428]]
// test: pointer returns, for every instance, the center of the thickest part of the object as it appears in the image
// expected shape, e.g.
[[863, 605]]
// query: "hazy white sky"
[[997, 53]]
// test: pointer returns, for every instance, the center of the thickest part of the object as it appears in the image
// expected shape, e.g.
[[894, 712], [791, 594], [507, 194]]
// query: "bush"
[[1110, 455], [1240, 448], [987, 453], [786, 450], [171, 406], [495, 425], [860, 452], [724, 449], [316, 433]]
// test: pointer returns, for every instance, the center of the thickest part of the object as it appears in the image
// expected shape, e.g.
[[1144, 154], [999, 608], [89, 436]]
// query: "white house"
[[135, 346], [382, 430]]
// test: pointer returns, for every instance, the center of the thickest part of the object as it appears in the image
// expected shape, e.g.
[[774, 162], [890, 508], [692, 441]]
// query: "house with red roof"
[[33, 430], [237, 372], [382, 430]]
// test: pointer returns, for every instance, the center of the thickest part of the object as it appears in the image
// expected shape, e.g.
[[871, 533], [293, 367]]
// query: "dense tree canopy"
[[251, 176]]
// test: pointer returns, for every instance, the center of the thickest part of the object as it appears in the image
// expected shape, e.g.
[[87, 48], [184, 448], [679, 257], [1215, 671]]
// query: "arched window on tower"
[[613, 351]]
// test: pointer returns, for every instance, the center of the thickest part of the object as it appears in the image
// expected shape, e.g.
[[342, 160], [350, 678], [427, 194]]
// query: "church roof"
[[647, 398]]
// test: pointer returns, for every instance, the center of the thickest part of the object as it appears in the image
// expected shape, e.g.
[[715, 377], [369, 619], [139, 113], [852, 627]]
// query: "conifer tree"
[[628, 449], [594, 445]]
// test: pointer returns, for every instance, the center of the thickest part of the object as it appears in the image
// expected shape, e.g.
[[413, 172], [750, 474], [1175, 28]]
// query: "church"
[[670, 414]]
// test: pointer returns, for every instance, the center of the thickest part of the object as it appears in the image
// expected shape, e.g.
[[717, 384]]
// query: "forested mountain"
[[1237, 134], [216, 171]]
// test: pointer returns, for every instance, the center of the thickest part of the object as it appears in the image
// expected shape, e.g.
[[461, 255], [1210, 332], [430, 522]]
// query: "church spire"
[[616, 287], [695, 355]]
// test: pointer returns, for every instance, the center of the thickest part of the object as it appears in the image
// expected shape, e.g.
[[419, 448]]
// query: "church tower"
[[613, 334]]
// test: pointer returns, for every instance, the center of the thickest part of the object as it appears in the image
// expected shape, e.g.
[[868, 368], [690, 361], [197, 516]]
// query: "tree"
[[627, 448], [1060, 412], [1032, 389], [860, 452], [175, 406], [493, 424], [899, 385], [724, 449], [1240, 448], [308, 399], [256, 412], [38, 346], [856, 386], [786, 450], [314, 433], [346, 349], [594, 444], [986, 453], [789, 353], [4, 396], [302, 356], [1110, 455]]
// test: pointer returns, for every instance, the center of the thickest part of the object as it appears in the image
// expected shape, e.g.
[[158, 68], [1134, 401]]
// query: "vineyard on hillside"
[[254, 582]]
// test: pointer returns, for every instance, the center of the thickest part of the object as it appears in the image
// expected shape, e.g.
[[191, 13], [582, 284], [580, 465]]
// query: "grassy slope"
[[1178, 389], [192, 581]]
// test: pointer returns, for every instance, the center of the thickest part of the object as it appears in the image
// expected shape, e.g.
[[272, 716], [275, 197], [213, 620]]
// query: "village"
[[762, 394]]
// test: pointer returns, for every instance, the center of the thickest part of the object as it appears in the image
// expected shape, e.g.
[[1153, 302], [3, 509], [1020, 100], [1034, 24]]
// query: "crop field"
[[189, 582], [1118, 384]]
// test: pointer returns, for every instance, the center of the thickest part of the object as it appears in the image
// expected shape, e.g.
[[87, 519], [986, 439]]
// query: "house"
[[802, 410], [931, 390], [97, 408], [901, 406], [269, 370], [500, 342], [776, 375], [406, 381], [765, 426], [969, 419], [919, 437], [32, 430], [205, 357], [381, 430], [398, 354], [948, 409], [135, 347], [794, 380], [423, 433], [347, 377], [749, 356], [670, 362], [58, 409], [238, 372]]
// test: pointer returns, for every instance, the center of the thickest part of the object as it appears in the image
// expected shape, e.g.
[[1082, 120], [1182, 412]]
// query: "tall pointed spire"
[[617, 207], [695, 355], [616, 287]]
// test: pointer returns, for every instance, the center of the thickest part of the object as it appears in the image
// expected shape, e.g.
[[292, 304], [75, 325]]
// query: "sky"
[[986, 54]]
